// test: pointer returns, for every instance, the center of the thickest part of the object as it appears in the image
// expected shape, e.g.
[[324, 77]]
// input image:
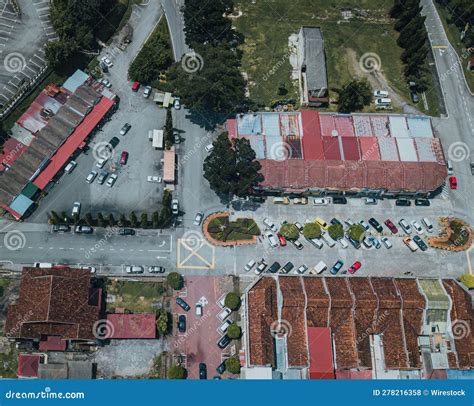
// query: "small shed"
[[169, 166], [157, 139]]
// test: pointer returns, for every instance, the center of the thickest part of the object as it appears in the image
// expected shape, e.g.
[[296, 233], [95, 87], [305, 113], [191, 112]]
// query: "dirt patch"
[[455, 235]]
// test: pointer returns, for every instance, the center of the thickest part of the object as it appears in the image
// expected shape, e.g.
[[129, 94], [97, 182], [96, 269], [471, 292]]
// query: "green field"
[[136, 297], [267, 25]]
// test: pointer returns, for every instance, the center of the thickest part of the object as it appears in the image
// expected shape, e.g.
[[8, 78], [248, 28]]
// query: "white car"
[[417, 227], [175, 206], [106, 83], [101, 162], [248, 267], [260, 268], [147, 92], [364, 224], [91, 269], [177, 103], [386, 242], [112, 179], [107, 61], [320, 202], [76, 209], [90, 178], [154, 179], [349, 222], [302, 269], [70, 166], [209, 148], [198, 219], [370, 200], [272, 240], [299, 226], [383, 101], [405, 226], [269, 224], [134, 269], [380, 93]]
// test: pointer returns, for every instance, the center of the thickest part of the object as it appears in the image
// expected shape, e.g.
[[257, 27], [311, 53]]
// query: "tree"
[[356, 232], [2, 291], [166, 214], [100, 220], [467, 280], [169, 138], [234, 331], [354, 96], [336, 231], [89, 219], [144, 220], [175, 280], [411, 9], [65, 218], [54, 218], [122, 220], [232, 365], [312, 230], [209, 80], [177, 372], [231, 168], [155, 219], [232, 301], [289, 231], [111, 220], [59, 51], [163, 321], [133, 219]]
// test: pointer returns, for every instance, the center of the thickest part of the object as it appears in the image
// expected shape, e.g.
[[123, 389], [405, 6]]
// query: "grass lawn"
[[9, 361], [267, 26], [454, 38], [241, 229], [135, 296]]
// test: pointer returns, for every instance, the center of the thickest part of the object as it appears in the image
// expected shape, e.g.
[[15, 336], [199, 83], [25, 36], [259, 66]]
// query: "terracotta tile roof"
[[462, 318], [54, 302], [317, 310]]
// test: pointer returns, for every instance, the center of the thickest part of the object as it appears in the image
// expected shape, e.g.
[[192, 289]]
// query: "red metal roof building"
[[321, 365], [132, 326], [28, 365], [379, 155]]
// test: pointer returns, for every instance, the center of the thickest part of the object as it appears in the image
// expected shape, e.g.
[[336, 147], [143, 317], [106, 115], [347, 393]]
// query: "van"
[[328, 240], [343, 242], [427, 223], [449, 165], [383, 101], [319, 267], [322, 223], [43, 265], [224, 326], [281, 200], [316, 242]]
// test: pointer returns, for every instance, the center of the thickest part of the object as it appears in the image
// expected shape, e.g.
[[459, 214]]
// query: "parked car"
[[405, 226], [114, 141], [248, 267], [386, 242], [299, 226], [134, 269], [221, 368], [126, 231], [182, 323], [147, 92], [349, 222], [269, 224], [91, 269], [298, 244], [343, 242], [181, 303], [375, 224], [422, 202], [419, 241], [427, 223], [101, 163], [364, 224], [60, 228], [102, 177], [319, 268], [90, 178], [355, 244], [70, 166], [281, 239], [261, 267], [380, 93], [154, 179], [453, 182], [107, 61], [281, 200], [177, 103], [370, 201], [274, 268], [271, 240], [209, 148], [302, 269], [320, 202], [322, 223], [175, 206], [336, 267], [367, 242], [300, 200], [126, 127], [202, 371], [76, 209], [339, 200], [410, 244], [83, 230], [135, 87], [224, 313], [402, 202], [287, 268], [354, 267], [375, 242], [124, 158], [414, 97], [106, 83], [392, 227], [198, 218], [224, 341], [112, 179], [417, 227], [156, 269]]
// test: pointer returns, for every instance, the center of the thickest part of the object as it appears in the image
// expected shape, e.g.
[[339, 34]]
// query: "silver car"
[[134, 269]]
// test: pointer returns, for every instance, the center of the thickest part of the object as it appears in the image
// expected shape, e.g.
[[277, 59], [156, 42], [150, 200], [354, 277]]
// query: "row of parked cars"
[[324, 201]]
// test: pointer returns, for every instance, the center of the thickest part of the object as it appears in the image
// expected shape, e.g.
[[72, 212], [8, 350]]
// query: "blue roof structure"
[[249, 124], [420, 127], [271, 124], [77, 79], [21, 204], [460, 373]]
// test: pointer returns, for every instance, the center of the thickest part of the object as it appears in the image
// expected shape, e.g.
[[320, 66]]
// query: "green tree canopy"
[[162, 321], [336, 231], [354, 96], [312, 230], [177, 372], [232, 301], [234, 331], [175, 280], [289, 231], [356, 232], [467, 280], [232, 365], [231, 168]]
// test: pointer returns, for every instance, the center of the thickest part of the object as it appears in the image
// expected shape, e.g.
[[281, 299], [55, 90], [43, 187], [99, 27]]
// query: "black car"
[[61, 228], [113, 143], [375, 224], [181, 303], [182, 323], [420, 243], [402, 202], [356, 244], [221, 368], [336, 267], [339, 200], [335, 221], [258, 199], [224, 341], [422, 202], [274, 268], [127, 231], [125, 129], [83, 230], [202, 371], [287, 268]]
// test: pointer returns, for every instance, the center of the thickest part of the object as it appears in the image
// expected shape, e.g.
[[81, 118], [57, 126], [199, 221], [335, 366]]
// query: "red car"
[[124, 158], [136, 86], [453, 182], [391, 226], [354, 267], [281, 239]]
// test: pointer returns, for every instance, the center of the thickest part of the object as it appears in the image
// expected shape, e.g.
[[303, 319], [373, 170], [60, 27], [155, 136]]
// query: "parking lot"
[[22, 38], [199, 342]]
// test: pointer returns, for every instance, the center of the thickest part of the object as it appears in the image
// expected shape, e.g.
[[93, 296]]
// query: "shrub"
[[356, 232], [232, 365], [234, 331], [336, 231], [467, 280], [289, 231], [232, 301], [175, 280], [312, 230], [177, 372], [162, 321]]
